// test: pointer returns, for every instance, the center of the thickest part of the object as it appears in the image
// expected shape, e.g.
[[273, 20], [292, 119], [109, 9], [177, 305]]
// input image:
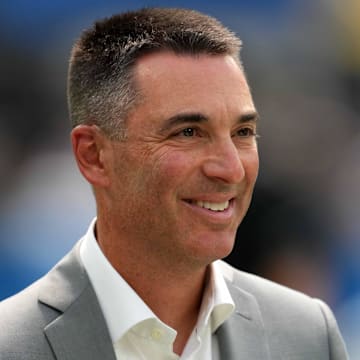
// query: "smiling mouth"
[[221, 206]]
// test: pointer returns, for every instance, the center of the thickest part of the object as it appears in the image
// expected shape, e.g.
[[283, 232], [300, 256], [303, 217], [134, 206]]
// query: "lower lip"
[[214, 216]]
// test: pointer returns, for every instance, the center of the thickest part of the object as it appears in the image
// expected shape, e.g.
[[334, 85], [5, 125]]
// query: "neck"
[[175, 300], [172, 290]]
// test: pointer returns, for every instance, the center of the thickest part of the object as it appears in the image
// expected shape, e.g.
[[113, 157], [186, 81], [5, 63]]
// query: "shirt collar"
[[123, 308], [217, 304]]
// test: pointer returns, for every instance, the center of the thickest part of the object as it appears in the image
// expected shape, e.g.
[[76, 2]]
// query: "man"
[[164, 130]]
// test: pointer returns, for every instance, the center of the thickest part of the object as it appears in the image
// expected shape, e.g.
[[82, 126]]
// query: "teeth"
[[213, 206]]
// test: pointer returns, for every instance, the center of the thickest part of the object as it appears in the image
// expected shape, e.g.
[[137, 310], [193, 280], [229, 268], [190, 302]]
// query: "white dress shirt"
[[136, 332]]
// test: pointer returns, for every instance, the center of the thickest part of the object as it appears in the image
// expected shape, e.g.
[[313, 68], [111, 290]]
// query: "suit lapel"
[[80, 331], [243, 335]]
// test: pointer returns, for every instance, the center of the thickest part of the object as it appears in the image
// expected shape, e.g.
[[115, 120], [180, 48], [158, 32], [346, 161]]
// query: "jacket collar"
[[243, 334], [80, 331]]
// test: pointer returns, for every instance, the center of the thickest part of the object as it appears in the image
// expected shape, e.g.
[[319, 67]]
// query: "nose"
[[224, 162]]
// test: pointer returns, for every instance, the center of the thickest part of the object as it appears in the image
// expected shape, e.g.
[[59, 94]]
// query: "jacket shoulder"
[[291, 319], [24, 316], [22, 322]]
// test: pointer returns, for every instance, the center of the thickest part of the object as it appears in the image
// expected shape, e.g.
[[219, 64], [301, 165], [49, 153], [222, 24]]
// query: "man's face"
[[182, 181]]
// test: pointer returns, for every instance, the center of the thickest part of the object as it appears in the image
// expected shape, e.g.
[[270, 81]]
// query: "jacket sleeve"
[[337, 348]]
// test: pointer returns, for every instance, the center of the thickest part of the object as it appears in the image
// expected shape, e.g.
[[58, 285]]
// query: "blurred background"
[[302, 59]]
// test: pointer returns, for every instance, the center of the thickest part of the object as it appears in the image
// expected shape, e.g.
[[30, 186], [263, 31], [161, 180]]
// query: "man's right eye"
[[187, 132]]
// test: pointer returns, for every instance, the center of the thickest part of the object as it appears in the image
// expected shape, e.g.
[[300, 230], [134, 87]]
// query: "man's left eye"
[[246, 132]]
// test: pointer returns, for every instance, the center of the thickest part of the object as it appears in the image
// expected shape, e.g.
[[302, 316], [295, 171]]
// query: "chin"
[[216, 246]]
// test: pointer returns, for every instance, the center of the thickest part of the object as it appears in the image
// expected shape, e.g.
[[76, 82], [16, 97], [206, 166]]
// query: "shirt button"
[[156, 334]]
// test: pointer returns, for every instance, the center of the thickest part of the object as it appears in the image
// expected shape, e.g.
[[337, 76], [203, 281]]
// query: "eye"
[[246, 132], [188, 132]]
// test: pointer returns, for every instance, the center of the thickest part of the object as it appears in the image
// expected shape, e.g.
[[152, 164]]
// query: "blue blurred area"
[[303, 63], [42, 18], [13, 278]]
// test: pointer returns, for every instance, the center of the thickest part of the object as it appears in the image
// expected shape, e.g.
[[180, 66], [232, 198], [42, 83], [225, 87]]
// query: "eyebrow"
[[251, 116], [190, 118], [195, 118]]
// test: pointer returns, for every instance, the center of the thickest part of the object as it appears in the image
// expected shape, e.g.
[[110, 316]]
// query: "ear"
[[89, 146]]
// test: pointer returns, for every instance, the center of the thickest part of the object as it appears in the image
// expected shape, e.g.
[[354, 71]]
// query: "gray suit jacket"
[[59, 317]]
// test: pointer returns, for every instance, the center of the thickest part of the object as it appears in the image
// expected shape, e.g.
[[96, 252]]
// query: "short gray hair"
[[101, 87]]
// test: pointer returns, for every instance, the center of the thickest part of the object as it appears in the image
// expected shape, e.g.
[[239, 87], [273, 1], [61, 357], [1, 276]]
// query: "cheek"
[[173, 167]]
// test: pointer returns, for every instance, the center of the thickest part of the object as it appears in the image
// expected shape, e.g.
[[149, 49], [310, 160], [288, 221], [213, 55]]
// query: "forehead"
[[186, 69], [169, 83]]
